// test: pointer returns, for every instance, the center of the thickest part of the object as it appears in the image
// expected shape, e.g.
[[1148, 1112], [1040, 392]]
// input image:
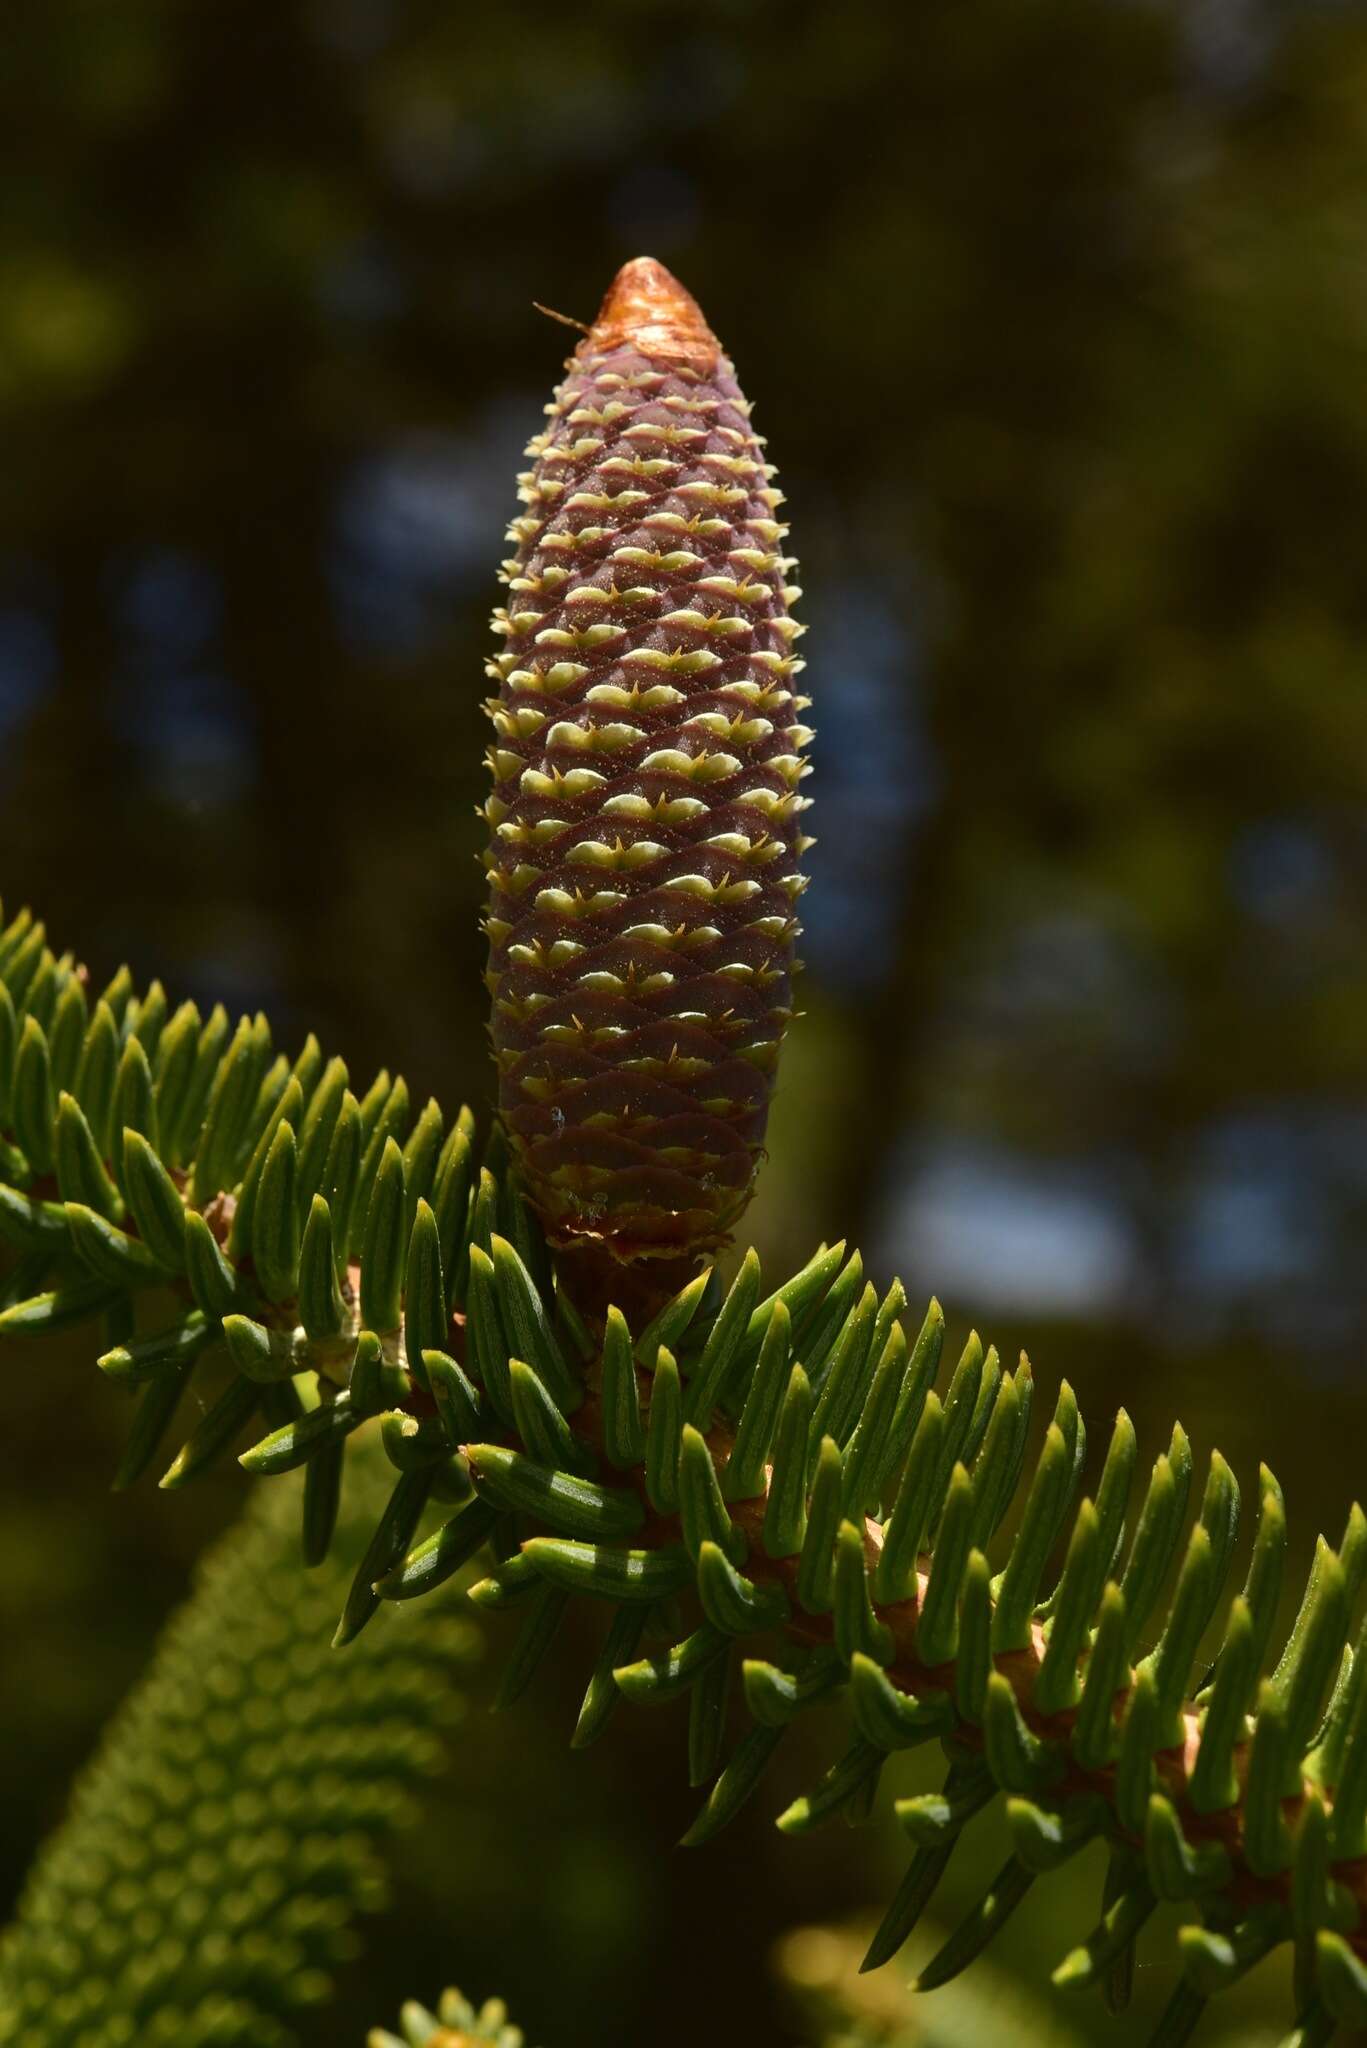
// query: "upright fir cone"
[[643, 858]]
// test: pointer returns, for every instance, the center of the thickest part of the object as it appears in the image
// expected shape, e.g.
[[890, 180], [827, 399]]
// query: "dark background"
[[1055, 319]]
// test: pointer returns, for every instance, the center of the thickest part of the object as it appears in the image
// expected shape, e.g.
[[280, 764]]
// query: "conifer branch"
[[228, 1833], [788, 1463]]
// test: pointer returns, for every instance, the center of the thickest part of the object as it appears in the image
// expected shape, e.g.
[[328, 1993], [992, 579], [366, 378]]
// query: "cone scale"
[[644, 819]]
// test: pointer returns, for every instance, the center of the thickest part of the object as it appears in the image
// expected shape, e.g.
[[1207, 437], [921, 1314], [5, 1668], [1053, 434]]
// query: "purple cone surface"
[[644, 841]]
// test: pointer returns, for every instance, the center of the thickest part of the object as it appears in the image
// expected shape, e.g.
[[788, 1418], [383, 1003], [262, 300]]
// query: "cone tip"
[[647, 308]]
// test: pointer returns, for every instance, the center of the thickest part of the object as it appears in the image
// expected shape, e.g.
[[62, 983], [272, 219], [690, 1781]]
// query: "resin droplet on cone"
[[643, 857]]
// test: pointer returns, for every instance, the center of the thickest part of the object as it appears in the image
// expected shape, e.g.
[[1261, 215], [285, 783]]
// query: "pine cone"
[[643, 859]]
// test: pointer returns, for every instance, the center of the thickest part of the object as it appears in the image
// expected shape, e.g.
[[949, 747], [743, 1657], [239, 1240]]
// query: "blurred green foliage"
[[1054, 318], [232, 1825]]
